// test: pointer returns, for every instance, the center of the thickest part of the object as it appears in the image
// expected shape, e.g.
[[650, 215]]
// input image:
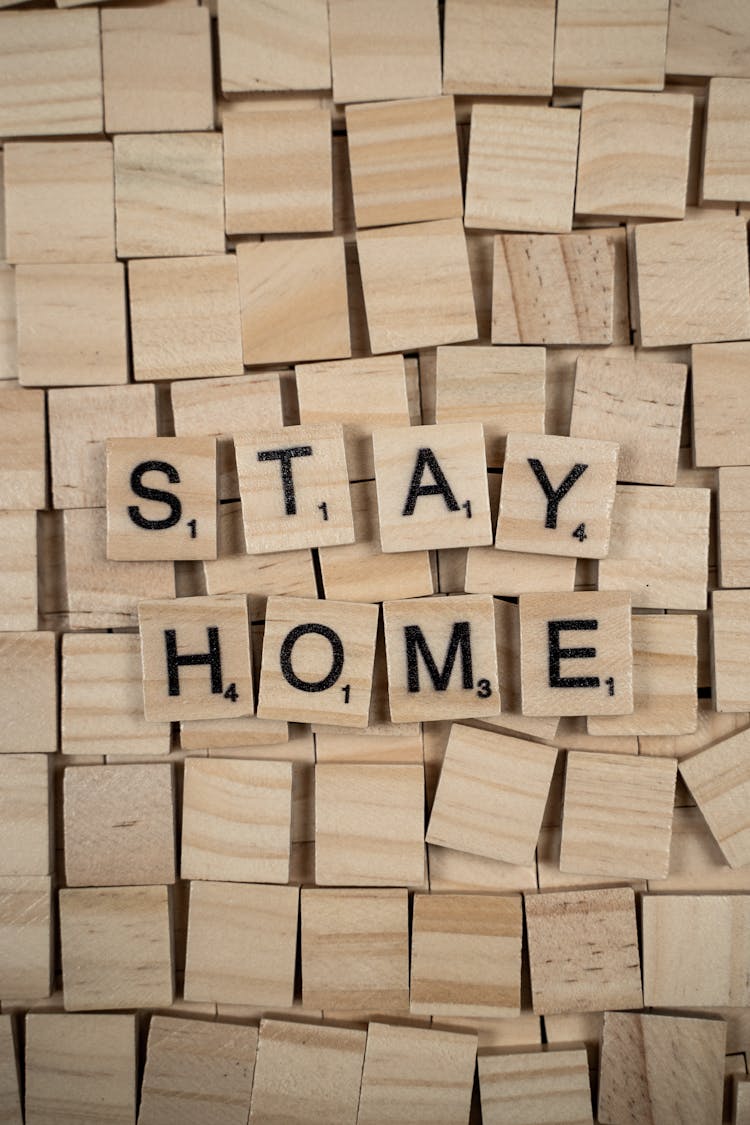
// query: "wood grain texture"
[[452, 870], [547, 1086], [25, 815], [508, 638], [719, 780], [8, 342], [696, 863], [10, 1094], [283, 47], [721, 422], [498, 48], [28, 660], [734, 545], [23, 456], [703, 44], [612, 44], [18, 562]]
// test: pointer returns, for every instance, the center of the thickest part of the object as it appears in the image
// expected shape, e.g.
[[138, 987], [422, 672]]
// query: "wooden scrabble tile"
[[80, 1067], [119, 825], [18, 562], [196, 658], [578, 268], [191, 1063], [401, 58], [543, 472], [71, 324], [10, 1095], [244, 737], [355, 949], [504, 388], [369, 825], [22, 450], [417, 285], [28, 665], [306, 1074], [504, 48], [161, 498], [416, 1075], [25, 937], [611, 44], [508, 642], [510, 183], [241, 943], [404, 161], [236, 821], [280, 48], [659, 546], [51, 73], [705, 43], [734, 567], [101, 594], [59, 201], [452, 870], [294, 487], [550, 1084], [721, 421], [185, 317], [719, 780], [188, 168], [491, 795], [25, 815], [718, 308], [637, 404], [695, 950], [662, 1068], [293, 300], [583, 950], [156, 68]]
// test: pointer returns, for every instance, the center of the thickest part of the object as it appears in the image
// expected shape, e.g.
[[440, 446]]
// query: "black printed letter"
[[168, 498], [416, 646], [426, 459], [284, 457], [212, 658], [554, 497], [556, 654], [285, 658]]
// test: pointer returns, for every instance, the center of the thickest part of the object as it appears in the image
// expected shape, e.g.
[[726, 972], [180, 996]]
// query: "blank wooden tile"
[[280, 48], [25, 815], [10, 1096], [721, 417], [185, 317], [355, 949], [491, 795], [18, 562], [157, 71], [214, 628], [59, 201], [661, 1068], [498, 48], [695, 950], [28, 665], [659, 546], [22, 450], [241, 944], [717, 307], [719, 780], [391, 52], [25, 937], [734, 567], [307, 1074], [52, 73], [278, 175], [369, 825], [417, 285], [466, 955], [583, 950], [726, 154], [119, 825], [544, 1085], [236, 821], [611, 44], [191, 1063], [704, 43], [80, 1067], [71, 324]]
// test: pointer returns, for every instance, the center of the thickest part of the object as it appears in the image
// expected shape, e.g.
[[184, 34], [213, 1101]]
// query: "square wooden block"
[[734, 543], [18, 563], [695, 950], [25, 937], [417, 285], [157, 70], [196, 658], [491, 795], [51, 73], [533, 1085], [241, 944], [637, 404], [185, 317], [294, 487], [719, 780], [611, 44], [432, 486], [23, 456], [355, 950], [79, 1067], [511, 152], [442, 658], [25, 815], [716, 309], [307, 1074], [591, 678], [726, 150], [280, 48], [161, 498], [498, 48], [71, 324], [583, 950], [293, 299], [544, 473], [190, 1062], [369, 825], [236, 821], [416, 1074], [705, 43], [661, 1067], [28, 671], [659, 546], [402, 58], [318, 659], [116, 947], [466, 955], [721, 412], [119, 825], [59, 201]]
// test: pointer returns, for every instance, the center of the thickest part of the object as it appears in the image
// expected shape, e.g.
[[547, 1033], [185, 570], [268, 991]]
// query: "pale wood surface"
[[550, 1087], [25, 937], [22, 450], [10, 1094], [25, 815], [452, 870], [721, 422], [508, 637], [610, 44], [8, 343], [734, 544], [703, 43], [18, 562], [730, 624], [280, 48], [498, 48], [726, 155], [719, 780], [28, 664]]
